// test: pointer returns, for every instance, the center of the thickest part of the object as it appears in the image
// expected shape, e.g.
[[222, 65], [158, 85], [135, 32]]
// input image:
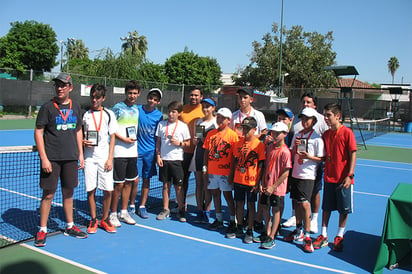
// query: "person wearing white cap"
[[217, 163]]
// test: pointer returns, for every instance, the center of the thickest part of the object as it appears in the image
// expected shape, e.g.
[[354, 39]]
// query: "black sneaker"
[[261, 238], [248, 238], [216, 225], [239, 231], [40, 239], [231, 230], [258, 226], [75, 232]]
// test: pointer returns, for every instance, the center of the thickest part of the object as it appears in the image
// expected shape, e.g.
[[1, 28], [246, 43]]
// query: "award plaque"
[[93, 137], [200, 131], [131, 132], [303, 147]]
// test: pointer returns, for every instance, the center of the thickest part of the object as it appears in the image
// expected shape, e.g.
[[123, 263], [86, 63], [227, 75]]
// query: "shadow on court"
[[28, 266]]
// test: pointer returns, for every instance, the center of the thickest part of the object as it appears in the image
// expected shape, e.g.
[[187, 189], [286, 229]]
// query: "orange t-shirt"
[[249, 154], [220, 145], [189, 115]]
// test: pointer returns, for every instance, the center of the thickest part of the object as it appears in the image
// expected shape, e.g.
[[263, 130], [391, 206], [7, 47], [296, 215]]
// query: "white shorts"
[[95, 176], [219, 182]]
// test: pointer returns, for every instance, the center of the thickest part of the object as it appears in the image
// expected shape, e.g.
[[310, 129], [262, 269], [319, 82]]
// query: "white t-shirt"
[[180, 131], [307, 170], [108, 126], [238, 116]]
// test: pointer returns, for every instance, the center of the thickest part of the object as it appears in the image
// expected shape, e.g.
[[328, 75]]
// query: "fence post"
[[183, 93], [30, 92]]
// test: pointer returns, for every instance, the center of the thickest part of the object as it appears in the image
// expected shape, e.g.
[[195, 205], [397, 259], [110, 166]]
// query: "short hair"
[[310, 94], [133, 84], [99, 89], [197, 88], [175, 105], [334, 108]]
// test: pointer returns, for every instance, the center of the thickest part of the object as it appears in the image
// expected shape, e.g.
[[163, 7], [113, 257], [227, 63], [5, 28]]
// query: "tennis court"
[[153, 246]]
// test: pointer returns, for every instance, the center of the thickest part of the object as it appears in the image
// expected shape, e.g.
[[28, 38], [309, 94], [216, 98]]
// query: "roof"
[[347, 82]]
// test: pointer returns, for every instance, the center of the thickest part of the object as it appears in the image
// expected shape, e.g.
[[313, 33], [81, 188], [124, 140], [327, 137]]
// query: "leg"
[[252, 211], [275, 222], [45, 206], [306, 215], [107, 197], [145, 191], [67, 194], [266, 218], [133, 191], [127, 187], [208, 193], [92, 203], [230, 202], [217, 200], [199, 190], [240, 211], [115, 196], [179, 197], [166, 194]]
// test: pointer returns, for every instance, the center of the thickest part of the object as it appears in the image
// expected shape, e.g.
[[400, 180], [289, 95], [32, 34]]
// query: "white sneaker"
[[113, 219], [125, 217], [290, 222], [314, 226]]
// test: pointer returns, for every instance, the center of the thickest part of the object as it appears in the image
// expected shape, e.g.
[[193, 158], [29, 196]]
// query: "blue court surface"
[[153, 246]]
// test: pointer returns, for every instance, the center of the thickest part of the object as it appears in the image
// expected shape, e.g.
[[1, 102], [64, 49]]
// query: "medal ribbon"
[[301, 135], [94, 119], [167, 128], [247, 115], [64, 117]]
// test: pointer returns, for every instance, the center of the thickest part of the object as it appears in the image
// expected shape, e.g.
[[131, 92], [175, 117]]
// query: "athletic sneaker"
[[239, 231], [75, 232], [132, 209], [268, 243], [231, 230], [199, 217], [295, 235], [206, 217], [307, 245], [40, 239], [290, 222], [314, 226], [248, 238], [175, 210], [92, 228], [125, 218], [258, 226], [216, 225], [163, 215], [320, 241], [114, 220], [338, 244], [261, 238], [107, 225], [142, 212], [181, 217]]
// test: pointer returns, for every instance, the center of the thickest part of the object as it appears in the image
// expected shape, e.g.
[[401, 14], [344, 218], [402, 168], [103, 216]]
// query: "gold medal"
[[217, 156], [243, 169]]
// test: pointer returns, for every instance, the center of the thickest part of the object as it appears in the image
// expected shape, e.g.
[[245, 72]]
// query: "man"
[[191, 112]]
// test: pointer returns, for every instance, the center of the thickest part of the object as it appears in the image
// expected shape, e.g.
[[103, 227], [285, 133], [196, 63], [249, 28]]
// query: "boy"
[[125, 153], [285, 115], [149, 118], [307, 152], [99, 125], [274, 183], [217, 162], [248, 160], [172, 136], [58, 137], [340, 162]]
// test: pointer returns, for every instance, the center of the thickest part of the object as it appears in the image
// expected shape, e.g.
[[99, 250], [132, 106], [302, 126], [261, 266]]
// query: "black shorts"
[[242, 191], [124, 169], [171, 171], [67, 171], [275, 201], [301, 189], [337, 198]]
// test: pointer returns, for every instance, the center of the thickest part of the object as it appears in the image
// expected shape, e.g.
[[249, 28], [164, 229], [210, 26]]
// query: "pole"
[[61, 55], [280, 53]]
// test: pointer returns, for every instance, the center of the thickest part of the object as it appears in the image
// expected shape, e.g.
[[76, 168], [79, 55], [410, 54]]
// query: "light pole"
[[65, 43], [70, 41], [280, 53]]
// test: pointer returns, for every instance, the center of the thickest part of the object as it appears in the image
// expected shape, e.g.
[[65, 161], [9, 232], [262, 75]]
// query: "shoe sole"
[[267, 247], [40, 245], [78, 237], [127, 222], [230, 236]]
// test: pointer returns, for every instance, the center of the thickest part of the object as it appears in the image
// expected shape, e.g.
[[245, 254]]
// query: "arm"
[[232, 171], [79, 135], [282, 177], [125, 139], [38, 138], [352, 161], [260, 170], [159, 160], [109, 163], [205, 161]]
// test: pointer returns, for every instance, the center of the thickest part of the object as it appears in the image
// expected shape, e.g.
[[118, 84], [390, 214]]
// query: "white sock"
[[123, 212], [324, 231], [341, 230], [43, 228], [70, 225], [132, 206], [315, 216], [113, 214], [142, 206]]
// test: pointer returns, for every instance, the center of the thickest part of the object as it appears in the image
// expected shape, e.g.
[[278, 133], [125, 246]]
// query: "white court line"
[[243, 250], [36, 249], [27, 196], [387, 167], [372, 194]]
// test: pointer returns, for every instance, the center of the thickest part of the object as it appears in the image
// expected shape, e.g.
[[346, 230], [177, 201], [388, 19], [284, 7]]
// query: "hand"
[[159, 161], [46, 166], [81, 162], [130, 140], [87, 143], [108, 165]]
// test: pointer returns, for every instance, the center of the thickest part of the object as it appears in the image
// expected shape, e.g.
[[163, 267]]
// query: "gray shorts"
[[337, 198], [219, 182]]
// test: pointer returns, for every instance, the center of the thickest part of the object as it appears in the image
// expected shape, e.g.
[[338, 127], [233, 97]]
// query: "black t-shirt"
[[60, 135]]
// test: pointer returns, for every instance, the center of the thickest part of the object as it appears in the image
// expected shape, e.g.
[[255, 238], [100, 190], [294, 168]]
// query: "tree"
[[77, 49], [190, 69], [304, 55], [393, 65], [135, 44], [29, 45]]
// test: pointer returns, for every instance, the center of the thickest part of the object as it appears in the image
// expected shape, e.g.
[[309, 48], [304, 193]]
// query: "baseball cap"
[[64, 77], [287, 111], [247, 90], [310, 113], [158, 91], [279, 127], [249, 122], [209, 101], [225, 112]]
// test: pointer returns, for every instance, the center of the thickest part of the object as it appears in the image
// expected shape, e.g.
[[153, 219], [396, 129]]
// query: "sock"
[[142, 206], [123, 212], [315, 216], [70, 225], [219, 216], [307, 233], [113, 213], [341, 230], [324, 231], [132, 206], [233, 218], [43, 228]]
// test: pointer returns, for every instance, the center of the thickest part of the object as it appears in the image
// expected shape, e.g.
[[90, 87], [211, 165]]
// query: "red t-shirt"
[[338, 145], [278, 159]]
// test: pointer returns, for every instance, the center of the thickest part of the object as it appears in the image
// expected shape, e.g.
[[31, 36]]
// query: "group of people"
[[230, 153]]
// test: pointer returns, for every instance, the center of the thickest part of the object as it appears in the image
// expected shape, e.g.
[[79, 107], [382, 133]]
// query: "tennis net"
[[20, 197], [370, 128]]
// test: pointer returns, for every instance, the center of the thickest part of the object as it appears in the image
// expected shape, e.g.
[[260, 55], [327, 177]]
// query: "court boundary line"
[[387, 167], [55, 256], [244, 250], [372, 194]]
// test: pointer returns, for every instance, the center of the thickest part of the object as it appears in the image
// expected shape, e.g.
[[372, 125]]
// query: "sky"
[[366, 32]]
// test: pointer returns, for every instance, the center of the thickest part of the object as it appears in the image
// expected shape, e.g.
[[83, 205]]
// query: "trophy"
[[303, 146], [200, 131], [131, 132], [93, 137]]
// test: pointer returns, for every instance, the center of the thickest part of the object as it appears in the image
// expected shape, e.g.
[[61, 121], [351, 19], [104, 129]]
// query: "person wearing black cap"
[[58, 136]]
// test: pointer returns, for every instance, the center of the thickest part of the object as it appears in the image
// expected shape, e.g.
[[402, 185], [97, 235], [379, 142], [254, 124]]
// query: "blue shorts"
[[242, 191], [146, 163], [337, 198]]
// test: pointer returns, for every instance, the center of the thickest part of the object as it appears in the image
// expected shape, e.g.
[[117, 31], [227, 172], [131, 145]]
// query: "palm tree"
[[77, 49], [393, 65], [134, 43]]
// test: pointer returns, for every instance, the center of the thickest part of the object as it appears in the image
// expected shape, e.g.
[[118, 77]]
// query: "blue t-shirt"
[[146, 138]]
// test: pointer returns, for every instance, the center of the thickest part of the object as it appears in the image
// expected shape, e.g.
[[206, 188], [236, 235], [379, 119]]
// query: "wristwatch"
[[351, 175]]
